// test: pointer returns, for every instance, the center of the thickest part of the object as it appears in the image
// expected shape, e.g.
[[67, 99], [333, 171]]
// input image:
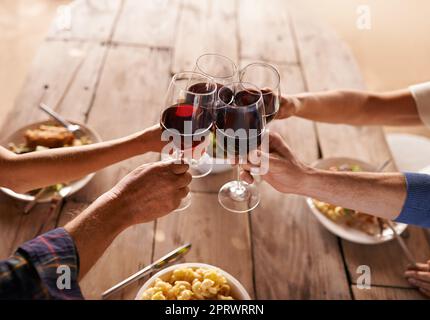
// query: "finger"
[[419, 267], [184, 180], [425, 292], [247, 177], [249, 166], [183, 192], [179, 168], [420, 275], [419, 283], [254, 157]]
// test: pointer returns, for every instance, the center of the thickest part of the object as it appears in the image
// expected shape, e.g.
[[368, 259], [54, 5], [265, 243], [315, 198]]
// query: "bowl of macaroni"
[[192, 281]]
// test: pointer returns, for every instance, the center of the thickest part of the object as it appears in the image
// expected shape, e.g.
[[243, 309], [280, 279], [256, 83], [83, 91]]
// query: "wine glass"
[[221, 68], [267, 78], [239, 126], [186, 117]]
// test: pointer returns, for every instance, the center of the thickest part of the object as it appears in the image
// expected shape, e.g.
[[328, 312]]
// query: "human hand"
[[285, 173], [150, 191], [419, 277], [289, 106], [150, 139]]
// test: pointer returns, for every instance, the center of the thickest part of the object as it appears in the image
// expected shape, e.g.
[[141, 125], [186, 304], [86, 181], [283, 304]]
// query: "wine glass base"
[[185, 203], [239, 197]]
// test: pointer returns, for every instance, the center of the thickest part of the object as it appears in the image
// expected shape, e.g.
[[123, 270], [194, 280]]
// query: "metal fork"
[[73, 128]]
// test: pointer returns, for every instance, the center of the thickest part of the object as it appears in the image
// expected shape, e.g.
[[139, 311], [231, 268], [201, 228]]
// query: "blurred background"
[[393, 54]]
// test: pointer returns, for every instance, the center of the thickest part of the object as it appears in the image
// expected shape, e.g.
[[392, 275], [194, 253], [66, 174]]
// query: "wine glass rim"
[[264, 64], [210, 80], [240, 83], [219, 55]]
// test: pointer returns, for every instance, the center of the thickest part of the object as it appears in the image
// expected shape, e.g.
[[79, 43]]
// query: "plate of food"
[[350, 224], [192, 281], [47, 135]]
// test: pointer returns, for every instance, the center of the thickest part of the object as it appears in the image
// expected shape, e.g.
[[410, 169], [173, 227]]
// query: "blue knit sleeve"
[[416, 209]]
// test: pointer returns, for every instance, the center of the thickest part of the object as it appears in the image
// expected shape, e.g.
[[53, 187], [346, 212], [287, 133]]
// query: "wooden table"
[[111, 71]]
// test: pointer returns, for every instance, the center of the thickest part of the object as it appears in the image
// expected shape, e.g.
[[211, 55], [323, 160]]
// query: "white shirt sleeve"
[[421, 94]]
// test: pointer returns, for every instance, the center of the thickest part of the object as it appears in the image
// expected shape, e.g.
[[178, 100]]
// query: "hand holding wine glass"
[[186, 117], [266, 77], [239, 123]]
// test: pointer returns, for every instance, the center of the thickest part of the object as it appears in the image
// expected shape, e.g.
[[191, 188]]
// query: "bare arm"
[[149, 192], [354, 107], [379, 194], [43, 168]]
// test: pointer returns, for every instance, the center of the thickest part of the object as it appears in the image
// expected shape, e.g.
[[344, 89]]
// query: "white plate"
[[18, 137], [238, 292], [342, 230]]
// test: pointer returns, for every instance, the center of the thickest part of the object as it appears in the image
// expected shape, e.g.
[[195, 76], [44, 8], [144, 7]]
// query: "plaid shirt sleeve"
[[46, 267]]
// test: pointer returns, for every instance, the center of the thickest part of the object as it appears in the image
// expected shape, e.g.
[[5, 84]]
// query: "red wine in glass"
[[271, 104], [240, 118], [186, 121]]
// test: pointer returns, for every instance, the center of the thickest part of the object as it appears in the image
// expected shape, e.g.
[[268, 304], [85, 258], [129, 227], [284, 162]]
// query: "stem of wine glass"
[[239, 190]]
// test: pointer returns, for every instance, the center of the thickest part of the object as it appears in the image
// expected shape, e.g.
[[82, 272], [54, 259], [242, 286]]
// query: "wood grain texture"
[[386, 293], [329, 64], [205, 27], [63, 75], [149, 23], [90, 20], [265, 33], [131, 90], [112, 72], [294, 256], [386, 261], [59, 69], [219, 237]]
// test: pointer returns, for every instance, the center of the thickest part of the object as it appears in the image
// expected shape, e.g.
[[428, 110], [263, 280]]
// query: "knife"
[[157, 265]]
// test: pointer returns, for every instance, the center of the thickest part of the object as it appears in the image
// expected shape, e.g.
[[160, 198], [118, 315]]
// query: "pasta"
[[190, 284]]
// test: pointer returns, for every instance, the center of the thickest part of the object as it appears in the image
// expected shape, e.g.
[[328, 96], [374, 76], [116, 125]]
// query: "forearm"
[[379, 194], [358, 107], [43, 168], [94, 230]]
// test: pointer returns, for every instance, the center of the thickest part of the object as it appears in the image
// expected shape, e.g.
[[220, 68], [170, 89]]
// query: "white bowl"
[[342, 230], [238, 292], [17, 137]]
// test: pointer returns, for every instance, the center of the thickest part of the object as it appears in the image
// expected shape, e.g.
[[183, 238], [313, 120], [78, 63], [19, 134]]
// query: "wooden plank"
[[131, 90], [89, 20], [150, 23], [56, 67], [386, 261], [205, 27], [265, 33], [296, 241], [59, 69], [118, 261], [219, 237], [328, 64], [386, 293]]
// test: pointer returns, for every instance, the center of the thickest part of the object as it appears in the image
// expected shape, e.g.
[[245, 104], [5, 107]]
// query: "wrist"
[[300, 105], [309, 180], [138, 142]]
